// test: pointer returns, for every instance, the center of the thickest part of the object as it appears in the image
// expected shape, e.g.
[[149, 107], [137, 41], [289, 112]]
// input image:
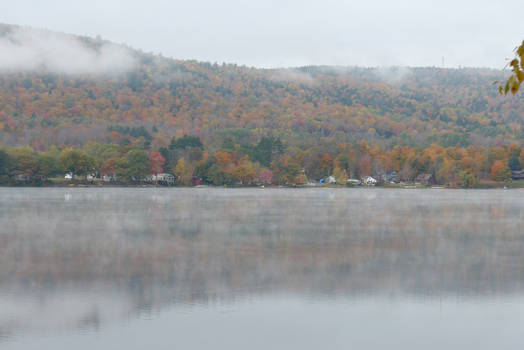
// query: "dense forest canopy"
[[261, 114], [303, 106]]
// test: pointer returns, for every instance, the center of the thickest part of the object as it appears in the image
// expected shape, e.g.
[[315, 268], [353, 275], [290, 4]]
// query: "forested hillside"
[[416, 106], [309, 112]]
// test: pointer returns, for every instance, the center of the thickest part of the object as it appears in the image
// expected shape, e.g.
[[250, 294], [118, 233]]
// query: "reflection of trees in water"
[[160, 246]]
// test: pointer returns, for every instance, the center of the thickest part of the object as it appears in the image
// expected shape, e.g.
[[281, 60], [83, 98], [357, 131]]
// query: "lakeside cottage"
[[163, 177], [70, 176], [22, 177], [26, 178], [329, 180], [369, 181], [425, 179], [109, 178], [517, 174]]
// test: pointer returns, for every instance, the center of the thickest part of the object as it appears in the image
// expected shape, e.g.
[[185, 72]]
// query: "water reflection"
[[76, 258]]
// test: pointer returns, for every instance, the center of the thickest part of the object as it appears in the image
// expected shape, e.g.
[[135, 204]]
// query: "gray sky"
[[285, 33]]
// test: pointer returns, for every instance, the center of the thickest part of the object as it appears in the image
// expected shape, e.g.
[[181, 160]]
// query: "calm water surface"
[[261, 269]]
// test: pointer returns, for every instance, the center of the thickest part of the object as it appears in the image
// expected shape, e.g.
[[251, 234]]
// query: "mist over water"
[[259, 268]]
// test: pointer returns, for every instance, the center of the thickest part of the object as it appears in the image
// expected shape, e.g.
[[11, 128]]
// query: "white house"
[[330, 180], [369, 181], [109, 177], [163, 177], [70, 176], [22, 177]]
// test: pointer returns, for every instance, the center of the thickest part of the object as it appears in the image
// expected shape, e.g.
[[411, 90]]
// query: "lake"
[[201, 268]]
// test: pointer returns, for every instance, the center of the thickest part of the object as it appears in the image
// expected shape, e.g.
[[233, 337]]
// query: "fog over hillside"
[[27, 49]]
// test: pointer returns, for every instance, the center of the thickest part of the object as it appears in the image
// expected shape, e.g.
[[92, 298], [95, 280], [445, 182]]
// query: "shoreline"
[[494, 186]]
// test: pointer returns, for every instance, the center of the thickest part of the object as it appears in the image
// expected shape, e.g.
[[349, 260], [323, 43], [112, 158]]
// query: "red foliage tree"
[[156, 162], [265, 176]]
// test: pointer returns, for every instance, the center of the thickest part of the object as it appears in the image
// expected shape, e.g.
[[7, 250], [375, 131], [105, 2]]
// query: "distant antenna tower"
[[442, 61]]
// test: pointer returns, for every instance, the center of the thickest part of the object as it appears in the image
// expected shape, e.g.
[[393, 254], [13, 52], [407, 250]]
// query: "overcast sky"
[[283, 33]]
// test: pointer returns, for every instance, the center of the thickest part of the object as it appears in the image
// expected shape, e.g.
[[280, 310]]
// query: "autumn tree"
[[224, 160], [46, 165], [265, 176], [244, 172], [285, 169], [76, 162], [216, 176], [517, 69], [156, 162], [101, 152], [467, 179], [211, 173], [310, 160], [364, 165], [109, 167], [340, 176], [326, 164], [133, 166], [500, 171], [183, 172], [25, 161]]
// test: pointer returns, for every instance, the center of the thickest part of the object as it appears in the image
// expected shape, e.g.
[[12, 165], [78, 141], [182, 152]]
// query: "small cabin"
[[22, 177], [517, 174], [369, 181], [109, 178], [425, 179], [165, 178], [330, 180]]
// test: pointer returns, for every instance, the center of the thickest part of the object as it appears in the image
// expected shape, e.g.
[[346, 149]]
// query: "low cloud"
[[392, 75], [292, 76], [25, 49]]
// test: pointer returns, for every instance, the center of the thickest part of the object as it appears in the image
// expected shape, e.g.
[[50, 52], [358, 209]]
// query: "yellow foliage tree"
[[340, 175], [183, 172], [517, 69]]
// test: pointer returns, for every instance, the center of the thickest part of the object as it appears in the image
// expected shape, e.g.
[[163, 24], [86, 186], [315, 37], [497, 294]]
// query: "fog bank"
[[25, 49]]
